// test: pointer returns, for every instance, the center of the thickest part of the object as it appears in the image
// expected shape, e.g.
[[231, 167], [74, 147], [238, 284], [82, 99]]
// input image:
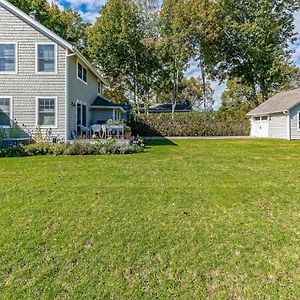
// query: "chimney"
[[33, 15]]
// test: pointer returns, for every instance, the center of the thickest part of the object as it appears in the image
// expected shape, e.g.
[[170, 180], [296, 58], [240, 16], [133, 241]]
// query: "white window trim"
[[16, 58], [99, 82], [298, 120], [37, 112], [87, 72], [85, 104], [36, 58], [10, 111]]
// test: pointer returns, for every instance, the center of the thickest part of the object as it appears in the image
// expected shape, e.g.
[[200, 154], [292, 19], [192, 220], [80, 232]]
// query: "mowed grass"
[[193, 219]]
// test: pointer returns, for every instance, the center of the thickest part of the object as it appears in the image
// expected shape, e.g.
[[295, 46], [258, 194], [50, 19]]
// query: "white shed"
[[279, 117]]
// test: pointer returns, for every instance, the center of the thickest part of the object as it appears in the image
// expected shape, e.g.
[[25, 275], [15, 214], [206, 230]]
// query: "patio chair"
[[84, 130]]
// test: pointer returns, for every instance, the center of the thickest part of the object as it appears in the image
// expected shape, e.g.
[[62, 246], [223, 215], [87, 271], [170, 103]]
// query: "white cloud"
[[89, 16], [90, 4]]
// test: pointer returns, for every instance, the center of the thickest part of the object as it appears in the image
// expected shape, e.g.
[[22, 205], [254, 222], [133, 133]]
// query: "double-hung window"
[[5, 111], [81, 72], [47, 112], [8, 58], [46, 58]]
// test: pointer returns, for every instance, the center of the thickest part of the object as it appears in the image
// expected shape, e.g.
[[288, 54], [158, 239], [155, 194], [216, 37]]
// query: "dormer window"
[[8, 58], [81, 72], [46, 58]]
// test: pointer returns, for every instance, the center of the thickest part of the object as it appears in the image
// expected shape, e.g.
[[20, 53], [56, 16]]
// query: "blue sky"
[[89, 10]]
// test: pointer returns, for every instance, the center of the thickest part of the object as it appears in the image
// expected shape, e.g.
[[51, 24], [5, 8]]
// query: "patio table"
[[106, 131]]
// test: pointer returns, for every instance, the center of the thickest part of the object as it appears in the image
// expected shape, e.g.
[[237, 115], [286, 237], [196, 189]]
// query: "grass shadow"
[[159, 142]]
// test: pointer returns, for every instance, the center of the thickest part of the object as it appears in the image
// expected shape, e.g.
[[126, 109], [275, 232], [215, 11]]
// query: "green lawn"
[[199, 219]]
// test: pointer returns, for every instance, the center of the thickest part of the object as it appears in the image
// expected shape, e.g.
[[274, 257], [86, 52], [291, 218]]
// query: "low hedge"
[[192, 124]]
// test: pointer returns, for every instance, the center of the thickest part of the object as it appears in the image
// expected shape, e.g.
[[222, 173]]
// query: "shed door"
[[260, 127]]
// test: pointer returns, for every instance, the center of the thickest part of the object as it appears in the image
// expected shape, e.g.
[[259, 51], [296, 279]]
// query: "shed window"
[[264, 118], [257, 118], [82, 72], [5, 112], [8, 58], [46, 61], [46, 112]]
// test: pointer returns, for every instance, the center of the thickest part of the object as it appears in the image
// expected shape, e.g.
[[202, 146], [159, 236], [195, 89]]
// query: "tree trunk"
[[203, 78], [263, 88], [136, 100], [175, 87], [254, 95]]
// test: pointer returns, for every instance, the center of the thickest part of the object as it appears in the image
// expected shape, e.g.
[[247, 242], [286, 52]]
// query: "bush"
[[76, 148], [108, 147], [37, 149], [12, 152], [82, 148], [192, 124]]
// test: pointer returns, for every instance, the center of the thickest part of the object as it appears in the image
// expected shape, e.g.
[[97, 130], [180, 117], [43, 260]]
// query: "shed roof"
[[281, 102], [101, 102]]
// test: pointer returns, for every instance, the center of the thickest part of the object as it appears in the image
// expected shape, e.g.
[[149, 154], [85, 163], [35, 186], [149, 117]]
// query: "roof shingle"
[[281, 102]]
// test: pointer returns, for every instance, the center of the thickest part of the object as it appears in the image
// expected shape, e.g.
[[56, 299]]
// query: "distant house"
[[44, 81], [167, 108], [279, 117]]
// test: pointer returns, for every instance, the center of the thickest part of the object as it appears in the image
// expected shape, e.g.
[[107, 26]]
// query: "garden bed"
[[75, 148]]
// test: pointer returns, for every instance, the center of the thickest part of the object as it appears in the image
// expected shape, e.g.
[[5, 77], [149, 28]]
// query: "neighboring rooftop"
[[167, 108], [281, 102]]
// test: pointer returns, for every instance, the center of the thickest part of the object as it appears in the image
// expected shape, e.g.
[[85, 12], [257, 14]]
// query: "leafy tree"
[[174, 50], [201, 14], [252, 42], [237, 97], [67, 23], [115, 43], [196, 96]]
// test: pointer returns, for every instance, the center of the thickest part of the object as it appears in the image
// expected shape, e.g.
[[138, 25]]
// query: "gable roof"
[[101, 102], [281, 102], [50, 34]]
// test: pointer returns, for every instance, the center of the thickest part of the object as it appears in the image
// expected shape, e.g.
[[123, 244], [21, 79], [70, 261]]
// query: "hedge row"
[[192, 124]]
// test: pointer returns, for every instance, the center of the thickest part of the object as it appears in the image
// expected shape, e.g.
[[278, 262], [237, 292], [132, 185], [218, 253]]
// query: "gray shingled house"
[[279, 117], [44, 81]]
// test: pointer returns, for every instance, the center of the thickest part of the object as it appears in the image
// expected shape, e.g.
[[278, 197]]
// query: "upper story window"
[[81, 72], [99, 88], [46, 112], [8, 58], [46, 58], [5, 111]]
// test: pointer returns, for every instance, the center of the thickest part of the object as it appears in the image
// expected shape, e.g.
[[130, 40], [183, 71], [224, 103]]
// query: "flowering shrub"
[[76, 148]]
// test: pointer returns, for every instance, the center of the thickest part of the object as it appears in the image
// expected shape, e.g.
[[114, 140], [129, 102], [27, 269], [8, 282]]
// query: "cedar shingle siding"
[[26, 85]]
